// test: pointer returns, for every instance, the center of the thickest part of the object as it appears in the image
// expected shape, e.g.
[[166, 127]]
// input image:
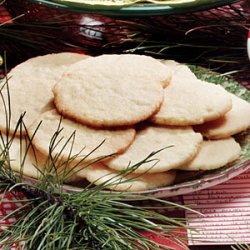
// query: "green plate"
[[137, 9]]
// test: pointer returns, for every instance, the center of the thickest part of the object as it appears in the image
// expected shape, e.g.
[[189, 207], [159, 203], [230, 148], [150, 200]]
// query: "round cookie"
[[233, 122], [171, 64], [101, 175], [77, 140], [179, 71], [190, 102], [111, 90], [30, 87], [177, 145], [214, 154], [28, 165], [28, 161], [143, 66]]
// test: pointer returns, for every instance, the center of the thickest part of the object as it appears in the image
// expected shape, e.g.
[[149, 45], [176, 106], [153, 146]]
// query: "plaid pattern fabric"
[[9, 203], [12, 201]]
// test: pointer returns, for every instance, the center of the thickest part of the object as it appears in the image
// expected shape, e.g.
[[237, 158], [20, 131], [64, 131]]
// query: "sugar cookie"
[[101, 175], [82, 140], [191, 102], [111, 90], [30, 84], [25, 159], [233, 122], [179, 145], [214, 154], [179, 71]]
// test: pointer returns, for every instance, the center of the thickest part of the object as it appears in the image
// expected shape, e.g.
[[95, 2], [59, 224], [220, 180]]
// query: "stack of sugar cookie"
[[139, 118]]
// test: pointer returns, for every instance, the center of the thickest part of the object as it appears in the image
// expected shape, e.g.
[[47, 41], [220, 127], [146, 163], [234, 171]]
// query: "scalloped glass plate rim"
[[209, 180], [147, 9]]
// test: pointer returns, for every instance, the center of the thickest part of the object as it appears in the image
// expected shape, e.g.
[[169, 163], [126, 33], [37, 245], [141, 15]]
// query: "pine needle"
[[49, 218], [94, 218]]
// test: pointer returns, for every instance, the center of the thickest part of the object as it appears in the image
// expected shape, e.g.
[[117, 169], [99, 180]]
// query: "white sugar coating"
[[78, 140], [179, 145], [143, 66], [27, 164], [234, 121], [190, 102], [30, 86], [28, 161], [99, 174], [214, 154], [112, 90], [179, 71]]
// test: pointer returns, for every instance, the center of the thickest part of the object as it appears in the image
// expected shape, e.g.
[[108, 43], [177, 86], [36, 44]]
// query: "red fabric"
[[11, 202], [4, 15], [8, 205], [168, 240]]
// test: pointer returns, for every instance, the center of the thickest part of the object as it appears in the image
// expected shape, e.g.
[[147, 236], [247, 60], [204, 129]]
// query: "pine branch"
[[91, 219], [49, 218]]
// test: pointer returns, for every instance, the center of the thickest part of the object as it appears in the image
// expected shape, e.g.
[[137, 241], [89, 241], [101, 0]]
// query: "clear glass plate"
[[187, 182], [193, 181], [198, 181], [145, 9]]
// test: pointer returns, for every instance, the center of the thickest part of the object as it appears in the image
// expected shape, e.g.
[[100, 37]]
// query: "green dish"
[[137, 9]]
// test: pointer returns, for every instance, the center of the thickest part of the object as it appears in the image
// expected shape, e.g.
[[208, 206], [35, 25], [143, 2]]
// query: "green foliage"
[[50, 218]]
